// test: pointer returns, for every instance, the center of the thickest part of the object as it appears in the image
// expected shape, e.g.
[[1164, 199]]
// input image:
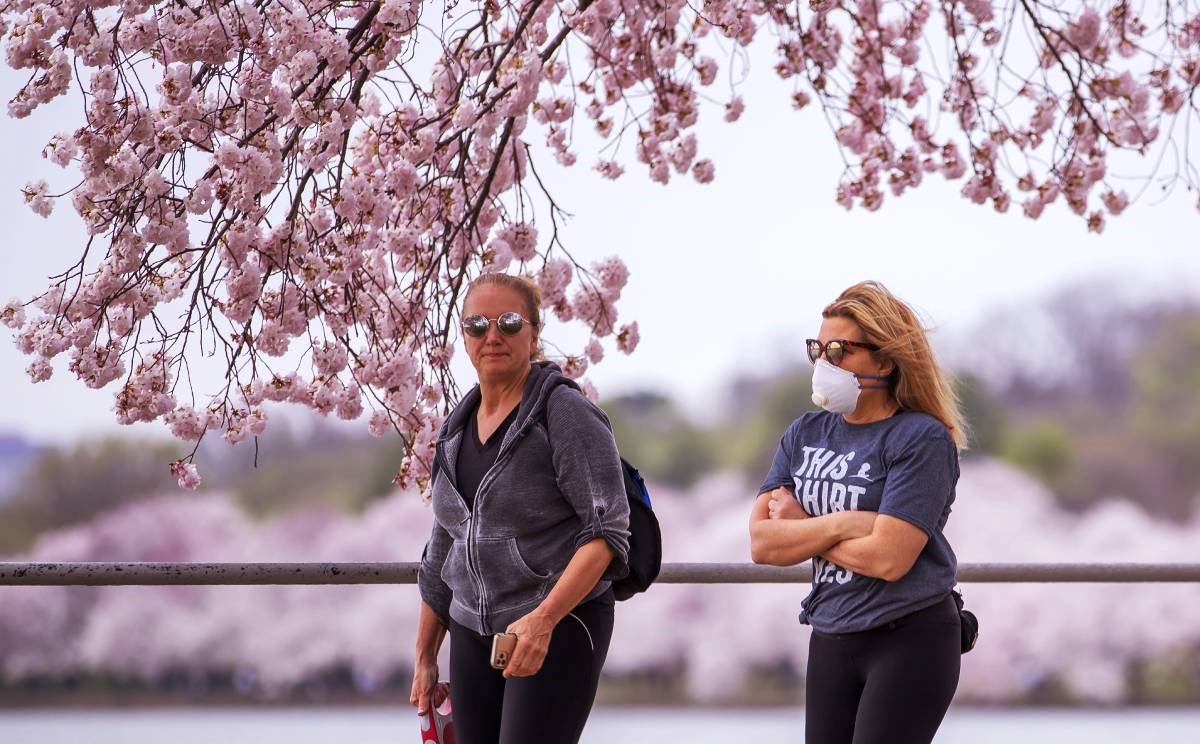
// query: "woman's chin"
[[496, 368]]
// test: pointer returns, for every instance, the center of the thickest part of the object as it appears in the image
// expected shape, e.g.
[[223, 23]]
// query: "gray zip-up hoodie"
[[557, 483]]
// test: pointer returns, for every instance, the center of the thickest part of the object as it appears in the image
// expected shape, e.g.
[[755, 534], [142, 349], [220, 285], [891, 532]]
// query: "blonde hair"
[[917, 383], [531, 298]]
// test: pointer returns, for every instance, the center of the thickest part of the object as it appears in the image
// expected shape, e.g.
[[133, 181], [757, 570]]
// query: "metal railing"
[[242, 574]]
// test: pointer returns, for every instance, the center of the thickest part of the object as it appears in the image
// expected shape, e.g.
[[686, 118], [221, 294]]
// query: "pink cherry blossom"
[[12, 314], [1115, 202], [36, 198], [980, 10], [380, 424], [40, 370], [1084, 31], [610, 169], [330, 358], [594, 351], [187, 423], [613, 275], [553, 279], [589, 390], [521, 240], [734, 109], [628, 338], [186, 472], [574, 366]]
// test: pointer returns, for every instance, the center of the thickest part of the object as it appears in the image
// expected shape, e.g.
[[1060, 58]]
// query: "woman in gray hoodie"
[[531, 526]]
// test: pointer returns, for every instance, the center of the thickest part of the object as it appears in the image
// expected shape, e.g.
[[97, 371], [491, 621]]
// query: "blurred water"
[[693, 726]]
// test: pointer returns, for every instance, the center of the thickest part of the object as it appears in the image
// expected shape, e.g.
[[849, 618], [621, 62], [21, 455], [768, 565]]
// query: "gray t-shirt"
[[905, 466]]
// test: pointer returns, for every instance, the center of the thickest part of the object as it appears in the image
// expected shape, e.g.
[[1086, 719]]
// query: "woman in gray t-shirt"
[[864, 489]]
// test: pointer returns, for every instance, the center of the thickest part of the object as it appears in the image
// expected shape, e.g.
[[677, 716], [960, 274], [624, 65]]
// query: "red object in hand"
[[437, 726]]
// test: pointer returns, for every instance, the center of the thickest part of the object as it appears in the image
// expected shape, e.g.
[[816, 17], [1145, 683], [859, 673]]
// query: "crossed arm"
[[876, 545]]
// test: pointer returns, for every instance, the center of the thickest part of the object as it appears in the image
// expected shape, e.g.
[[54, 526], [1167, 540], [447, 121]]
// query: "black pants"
[[552, 706], [889, 685]]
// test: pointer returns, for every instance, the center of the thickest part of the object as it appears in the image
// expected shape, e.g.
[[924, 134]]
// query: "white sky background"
[[726, 278]]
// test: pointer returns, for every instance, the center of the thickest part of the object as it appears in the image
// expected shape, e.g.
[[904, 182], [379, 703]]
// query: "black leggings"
[[552, 706], [889, 685]]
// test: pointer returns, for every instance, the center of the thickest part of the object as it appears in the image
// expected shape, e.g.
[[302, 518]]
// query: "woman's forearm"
[[887, 553], [786, 542], [430, 633], [578, 579], [862, 555]]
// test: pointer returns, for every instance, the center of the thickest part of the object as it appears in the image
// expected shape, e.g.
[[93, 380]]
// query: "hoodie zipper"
[[473, 568], [472, 559], [501, 458]]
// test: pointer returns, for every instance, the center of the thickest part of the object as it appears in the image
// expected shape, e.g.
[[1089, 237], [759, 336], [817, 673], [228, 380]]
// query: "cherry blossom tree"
[[302, 190]]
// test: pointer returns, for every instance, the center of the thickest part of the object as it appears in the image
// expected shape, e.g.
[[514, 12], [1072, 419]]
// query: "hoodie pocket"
[[508, 581]]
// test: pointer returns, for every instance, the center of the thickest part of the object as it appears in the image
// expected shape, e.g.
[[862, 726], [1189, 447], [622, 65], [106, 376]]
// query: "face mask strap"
[[873, 377]]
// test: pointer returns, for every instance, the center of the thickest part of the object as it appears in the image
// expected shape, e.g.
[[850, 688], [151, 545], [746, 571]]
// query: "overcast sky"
[[727, 277]]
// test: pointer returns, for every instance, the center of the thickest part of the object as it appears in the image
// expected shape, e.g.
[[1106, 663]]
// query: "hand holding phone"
[[502, 648]]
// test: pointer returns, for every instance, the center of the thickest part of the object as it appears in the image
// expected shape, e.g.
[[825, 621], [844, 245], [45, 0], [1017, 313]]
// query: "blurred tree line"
[[1120, 419], [285, 468], [1102, 402]]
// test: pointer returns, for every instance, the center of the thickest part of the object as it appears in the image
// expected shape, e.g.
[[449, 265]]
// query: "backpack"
[[645, 537]]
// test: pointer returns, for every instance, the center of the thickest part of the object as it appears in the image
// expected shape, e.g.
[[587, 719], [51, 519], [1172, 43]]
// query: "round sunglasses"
[[834, 349], [510, 324]]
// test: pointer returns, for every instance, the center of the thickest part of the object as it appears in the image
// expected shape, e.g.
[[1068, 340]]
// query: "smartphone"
[[502, 648]]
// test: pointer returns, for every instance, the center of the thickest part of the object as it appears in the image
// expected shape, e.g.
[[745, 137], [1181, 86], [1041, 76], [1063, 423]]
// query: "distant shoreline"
[[133, 704]]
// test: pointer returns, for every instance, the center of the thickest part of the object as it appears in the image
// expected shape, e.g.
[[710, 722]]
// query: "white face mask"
[[837, 390]]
